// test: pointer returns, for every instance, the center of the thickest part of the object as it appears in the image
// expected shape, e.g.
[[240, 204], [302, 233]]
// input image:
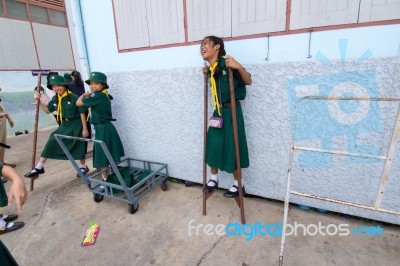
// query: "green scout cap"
[[57, 80], [67, 77], [97, 77]]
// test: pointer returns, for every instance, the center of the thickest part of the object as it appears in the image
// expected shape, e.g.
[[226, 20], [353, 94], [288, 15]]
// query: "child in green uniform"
[[99, 102], [73, 123], [16, 192], [220, 148]]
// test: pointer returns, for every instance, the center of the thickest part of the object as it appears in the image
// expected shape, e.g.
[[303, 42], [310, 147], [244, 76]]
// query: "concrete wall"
[[158, 103]]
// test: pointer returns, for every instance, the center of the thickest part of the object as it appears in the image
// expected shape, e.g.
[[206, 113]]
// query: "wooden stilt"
[[238, 171], [35, 130], [236, 140], [205, 194]]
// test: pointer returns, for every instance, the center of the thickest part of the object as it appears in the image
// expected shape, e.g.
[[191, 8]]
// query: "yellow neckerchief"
[[105, 91], [214, 88], [59, 106]]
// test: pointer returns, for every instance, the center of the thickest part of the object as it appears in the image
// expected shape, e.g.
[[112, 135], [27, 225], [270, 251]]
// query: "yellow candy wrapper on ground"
[[91, 235]]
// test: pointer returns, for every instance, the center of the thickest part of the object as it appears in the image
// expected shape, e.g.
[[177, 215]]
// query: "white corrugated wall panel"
[[208, 17], [17, 50], [131, 22], [318, 13], [53, 46], [373, 10], [165, 21], [257, 16]]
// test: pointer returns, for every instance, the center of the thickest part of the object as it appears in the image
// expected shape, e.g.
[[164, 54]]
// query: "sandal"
[[208, 188]]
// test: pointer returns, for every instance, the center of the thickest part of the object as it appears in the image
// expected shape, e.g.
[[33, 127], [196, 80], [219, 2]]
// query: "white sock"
[[39, 165], [82, 166], [3, 223], [213, 177], [234, 189]]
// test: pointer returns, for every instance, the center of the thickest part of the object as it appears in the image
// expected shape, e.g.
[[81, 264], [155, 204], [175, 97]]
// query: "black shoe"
[[35, 172], [9, 218], [84, 171], [16, 226], [230, 194], [210, 189]]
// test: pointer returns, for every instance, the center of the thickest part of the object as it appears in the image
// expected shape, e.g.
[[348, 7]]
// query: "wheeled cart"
[[127, 182]]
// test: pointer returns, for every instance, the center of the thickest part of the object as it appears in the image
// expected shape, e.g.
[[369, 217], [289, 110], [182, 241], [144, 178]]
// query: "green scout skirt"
[[220, 149], [107, 133], [77, 148], [6, 259]]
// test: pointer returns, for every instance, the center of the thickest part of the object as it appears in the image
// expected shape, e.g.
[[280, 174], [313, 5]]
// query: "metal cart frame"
[[100, 189], [387, 158]]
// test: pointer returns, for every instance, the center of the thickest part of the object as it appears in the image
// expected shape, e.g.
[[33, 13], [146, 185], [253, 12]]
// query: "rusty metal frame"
[[385, 173]]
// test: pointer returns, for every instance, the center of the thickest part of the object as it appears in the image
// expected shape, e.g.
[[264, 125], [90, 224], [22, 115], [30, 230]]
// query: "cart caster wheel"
[[164, 185], [132, 209], [98, 198]]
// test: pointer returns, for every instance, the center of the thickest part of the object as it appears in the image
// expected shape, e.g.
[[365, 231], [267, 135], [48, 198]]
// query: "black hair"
[[105, 87], [78, 79], [216, 40]]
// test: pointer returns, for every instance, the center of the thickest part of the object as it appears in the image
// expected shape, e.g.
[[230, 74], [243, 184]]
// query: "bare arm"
[[10, 121], [79, 102], [42, 105], [85, 132], [17, 190], [232, 63]]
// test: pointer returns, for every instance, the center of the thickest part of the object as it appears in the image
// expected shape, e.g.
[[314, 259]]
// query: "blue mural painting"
[[321, 120]]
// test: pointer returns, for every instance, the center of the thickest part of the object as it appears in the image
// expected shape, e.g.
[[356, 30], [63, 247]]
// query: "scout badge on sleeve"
[[91, 234], [217, 122]]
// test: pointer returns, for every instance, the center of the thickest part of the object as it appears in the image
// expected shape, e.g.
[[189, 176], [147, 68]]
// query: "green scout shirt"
[[102, 110], [223, 83], [68, 106]]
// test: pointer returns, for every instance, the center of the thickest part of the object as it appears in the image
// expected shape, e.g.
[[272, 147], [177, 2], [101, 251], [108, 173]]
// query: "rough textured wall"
[[160, 118]]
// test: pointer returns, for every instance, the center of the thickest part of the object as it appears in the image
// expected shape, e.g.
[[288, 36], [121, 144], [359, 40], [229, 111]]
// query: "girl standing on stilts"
[[99, 102], [220, 148], [72, 121]]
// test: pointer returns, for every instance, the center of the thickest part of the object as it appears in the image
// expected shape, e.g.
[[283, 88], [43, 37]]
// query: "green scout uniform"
[[100, 118], [6, 259], [220, 147], [70, 126]]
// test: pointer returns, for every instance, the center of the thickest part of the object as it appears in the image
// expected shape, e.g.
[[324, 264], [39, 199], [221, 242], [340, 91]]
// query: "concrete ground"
[[169, 228]]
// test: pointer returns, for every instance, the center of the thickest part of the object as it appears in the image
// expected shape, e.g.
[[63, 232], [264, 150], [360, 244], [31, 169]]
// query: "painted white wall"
[[104, 56], [158, 105]]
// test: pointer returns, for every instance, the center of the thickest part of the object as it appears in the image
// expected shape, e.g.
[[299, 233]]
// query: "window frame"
[[28, 4], [286, 31]]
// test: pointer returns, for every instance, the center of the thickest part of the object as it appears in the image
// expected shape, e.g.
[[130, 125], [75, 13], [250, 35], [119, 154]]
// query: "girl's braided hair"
[[216, 40]]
